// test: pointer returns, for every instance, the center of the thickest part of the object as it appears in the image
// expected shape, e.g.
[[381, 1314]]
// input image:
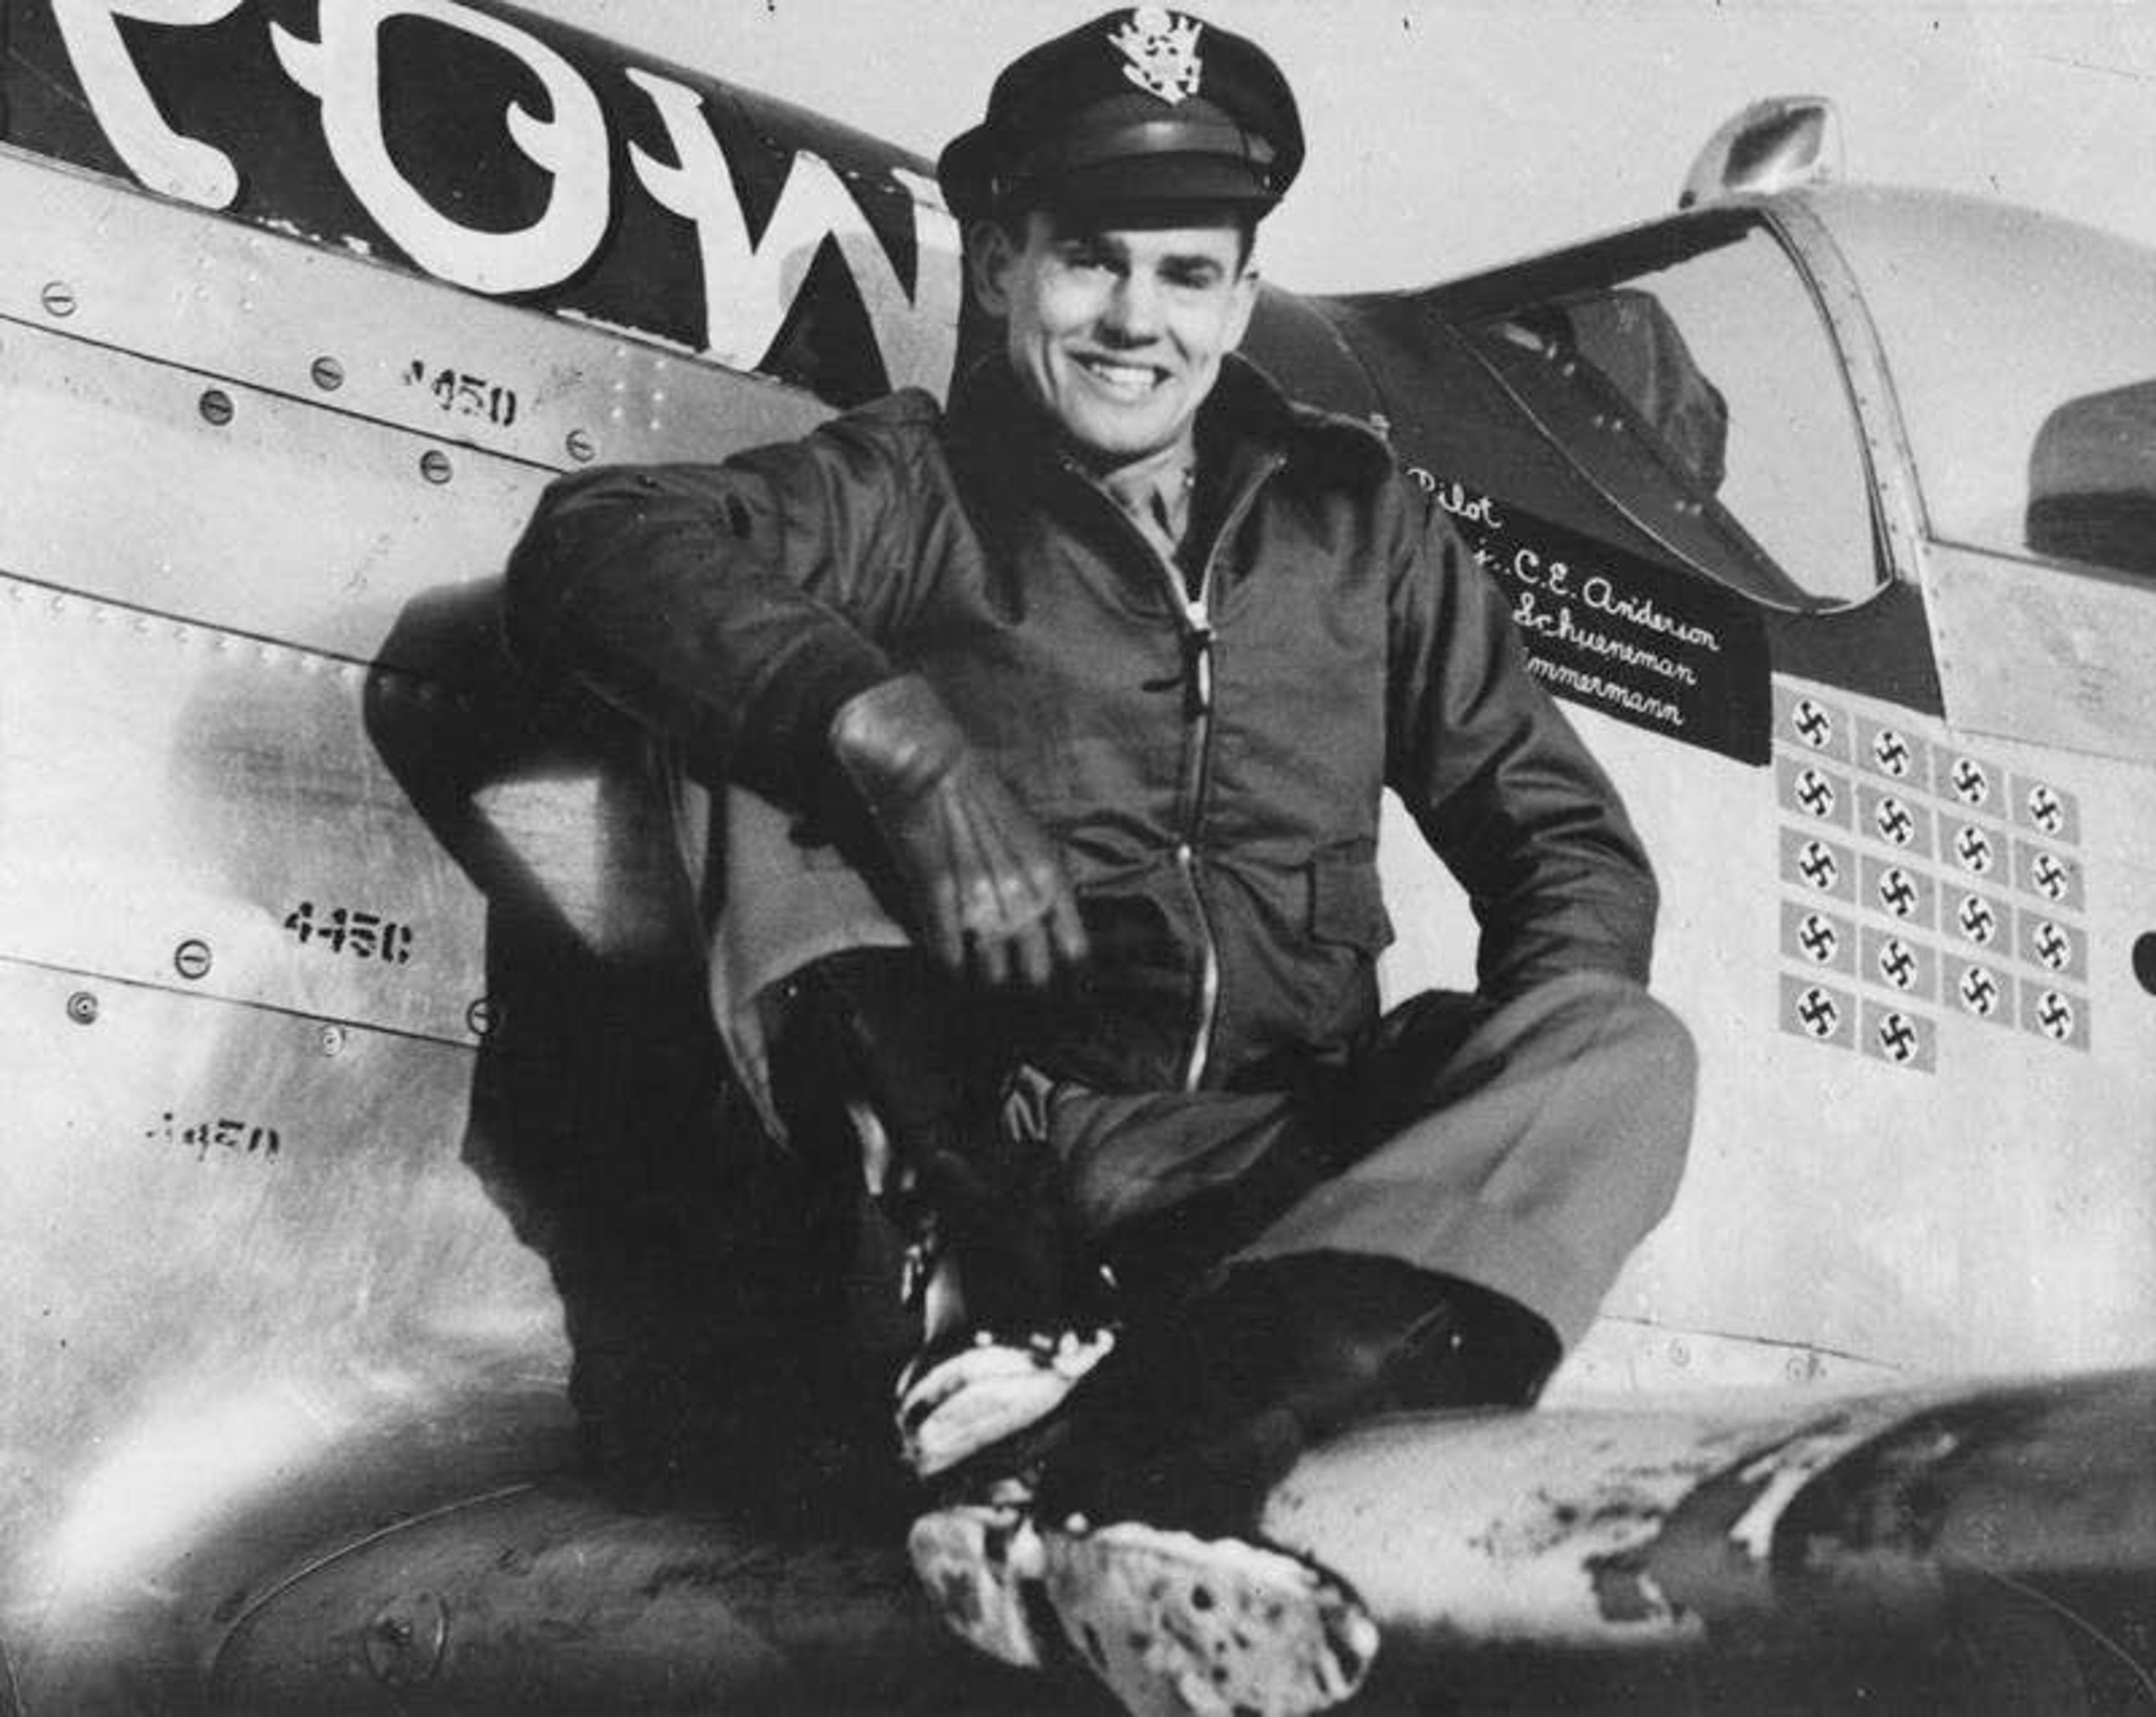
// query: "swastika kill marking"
[[2060, 950], [1973, 849], [1903, 892], [1812, 792], [1817, 939], [1981, 991], [2047, 809], [1895, 820], [1824, 867], [1819, 1011], [1896, 962], [1900, 1038], [1981, 919], [2049, 875], [1967, 779], [1891, 752], [1812, 724], [2058, 1015]]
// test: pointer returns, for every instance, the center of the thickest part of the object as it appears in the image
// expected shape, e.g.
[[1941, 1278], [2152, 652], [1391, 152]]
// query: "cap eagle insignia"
[[1160, 52]]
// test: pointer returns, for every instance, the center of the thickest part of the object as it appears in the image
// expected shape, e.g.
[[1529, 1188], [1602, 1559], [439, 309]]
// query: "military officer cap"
[[1141, 107]]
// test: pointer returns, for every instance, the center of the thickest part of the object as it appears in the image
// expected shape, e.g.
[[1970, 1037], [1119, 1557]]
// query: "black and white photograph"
[[876, 859]]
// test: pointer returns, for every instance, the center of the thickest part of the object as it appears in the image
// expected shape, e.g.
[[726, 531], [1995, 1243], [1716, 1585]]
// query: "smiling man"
[[1098, 679], [1119, 335]]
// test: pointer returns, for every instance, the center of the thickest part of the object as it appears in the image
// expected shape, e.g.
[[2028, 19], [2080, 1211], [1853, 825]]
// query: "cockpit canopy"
[[1691, 373], [2023, 351]]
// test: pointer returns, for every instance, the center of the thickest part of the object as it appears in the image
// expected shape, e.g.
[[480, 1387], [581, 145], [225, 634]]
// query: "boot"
[[889, 1072], [1199, 1411], [1014, 1310], [1138, 1549]]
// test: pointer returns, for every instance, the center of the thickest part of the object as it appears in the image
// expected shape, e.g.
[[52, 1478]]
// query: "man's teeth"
[[1134, 377]]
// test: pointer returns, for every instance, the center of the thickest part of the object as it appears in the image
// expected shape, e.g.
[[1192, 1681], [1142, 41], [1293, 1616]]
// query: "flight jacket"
[[1209, 749]]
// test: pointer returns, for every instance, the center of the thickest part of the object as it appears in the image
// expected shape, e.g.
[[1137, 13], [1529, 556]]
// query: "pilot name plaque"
[[1643, 642]]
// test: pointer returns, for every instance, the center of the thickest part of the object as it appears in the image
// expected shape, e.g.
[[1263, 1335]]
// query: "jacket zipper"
[[1194, 628], [1198, 710]]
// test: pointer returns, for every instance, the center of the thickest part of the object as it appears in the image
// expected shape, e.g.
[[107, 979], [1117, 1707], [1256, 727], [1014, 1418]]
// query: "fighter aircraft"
[[362, 1077]]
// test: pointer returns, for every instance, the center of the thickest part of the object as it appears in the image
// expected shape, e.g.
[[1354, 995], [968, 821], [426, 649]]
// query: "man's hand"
[[982, 878]]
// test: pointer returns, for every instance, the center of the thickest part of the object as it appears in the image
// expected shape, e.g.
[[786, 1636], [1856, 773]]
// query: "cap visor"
[[1141, 181]]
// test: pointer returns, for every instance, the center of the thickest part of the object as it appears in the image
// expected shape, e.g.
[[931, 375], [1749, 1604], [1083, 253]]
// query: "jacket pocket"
[[1347, 905]]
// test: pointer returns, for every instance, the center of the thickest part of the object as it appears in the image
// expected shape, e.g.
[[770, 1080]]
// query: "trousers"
[[1526, 1147]]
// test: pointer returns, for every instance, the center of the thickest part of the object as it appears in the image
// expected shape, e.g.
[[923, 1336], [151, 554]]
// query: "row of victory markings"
[[1916, 770], [1966, 850]]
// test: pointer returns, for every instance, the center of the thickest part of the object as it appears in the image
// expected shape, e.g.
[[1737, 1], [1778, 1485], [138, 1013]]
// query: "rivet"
[[434, 467], [59, 298], [483, 1017], [191, 959], [328, 374], [82, 1008], [581, 448], [215, 406], [331, 1039]]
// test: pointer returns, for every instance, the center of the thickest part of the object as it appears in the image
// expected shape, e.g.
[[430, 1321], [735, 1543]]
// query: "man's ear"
[[1246, 301], [990, 254]]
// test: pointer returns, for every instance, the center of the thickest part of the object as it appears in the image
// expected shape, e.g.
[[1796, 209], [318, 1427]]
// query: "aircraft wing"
[[1944, 1547]]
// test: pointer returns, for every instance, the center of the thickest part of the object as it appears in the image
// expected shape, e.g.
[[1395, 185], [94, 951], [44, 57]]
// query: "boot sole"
[[977, 1562], [1174, 1624]]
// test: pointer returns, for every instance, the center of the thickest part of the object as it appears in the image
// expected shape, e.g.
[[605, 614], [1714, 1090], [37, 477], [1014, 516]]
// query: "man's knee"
[[1663, 1066], [1596, 1050]]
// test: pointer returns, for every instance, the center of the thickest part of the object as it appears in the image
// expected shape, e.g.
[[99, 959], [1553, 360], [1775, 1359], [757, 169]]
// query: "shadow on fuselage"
[[703, 1275]]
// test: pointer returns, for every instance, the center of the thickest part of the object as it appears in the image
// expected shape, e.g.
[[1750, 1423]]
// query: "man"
[[1099, 677]]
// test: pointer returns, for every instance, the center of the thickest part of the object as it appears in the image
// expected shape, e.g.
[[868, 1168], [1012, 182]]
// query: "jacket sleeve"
[[731, 608], [1497, 780]]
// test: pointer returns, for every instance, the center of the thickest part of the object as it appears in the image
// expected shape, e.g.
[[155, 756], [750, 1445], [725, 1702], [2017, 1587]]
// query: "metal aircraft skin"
[[360, 1076]]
